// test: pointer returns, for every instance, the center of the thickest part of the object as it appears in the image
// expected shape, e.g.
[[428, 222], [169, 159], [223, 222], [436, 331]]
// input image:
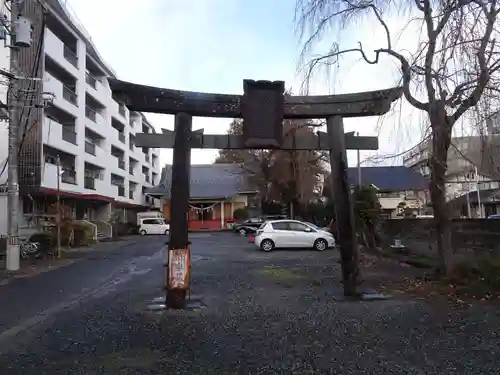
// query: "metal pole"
[[13, 251], [58, 206], [179, 198], [344, 212], [359, 164]]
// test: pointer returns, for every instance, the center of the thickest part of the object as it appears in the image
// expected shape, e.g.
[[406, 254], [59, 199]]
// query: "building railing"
[[121, 110], [68, 176], [89, 183], [68, 135], [70, 95], [89, 148], [70, 56], [121, 164], [91, 80], [121, 137], [91, 113]]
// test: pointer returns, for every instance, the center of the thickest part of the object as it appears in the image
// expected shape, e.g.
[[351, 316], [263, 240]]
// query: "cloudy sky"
[[212, 45]]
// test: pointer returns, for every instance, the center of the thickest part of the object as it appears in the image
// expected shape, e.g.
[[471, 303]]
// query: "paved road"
[[264, 314]]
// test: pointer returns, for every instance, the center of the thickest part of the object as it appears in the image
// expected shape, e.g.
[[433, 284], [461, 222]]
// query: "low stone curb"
[[103, 246], [9, 276]]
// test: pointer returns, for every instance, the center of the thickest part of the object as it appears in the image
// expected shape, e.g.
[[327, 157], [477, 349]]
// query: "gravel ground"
[[264, 314]]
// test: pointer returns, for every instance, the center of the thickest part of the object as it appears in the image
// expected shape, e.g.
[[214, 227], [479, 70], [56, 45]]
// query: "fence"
[[470, 237]]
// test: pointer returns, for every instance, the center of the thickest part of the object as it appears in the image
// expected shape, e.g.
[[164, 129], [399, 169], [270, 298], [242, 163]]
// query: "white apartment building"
[[472, 165], [101, 171]]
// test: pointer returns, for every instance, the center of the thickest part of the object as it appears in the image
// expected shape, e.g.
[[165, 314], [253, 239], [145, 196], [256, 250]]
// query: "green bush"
[[47, 241], [240, 214], [82, 235], [483, 276]]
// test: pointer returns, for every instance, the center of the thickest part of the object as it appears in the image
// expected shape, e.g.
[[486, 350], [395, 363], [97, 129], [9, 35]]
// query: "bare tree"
[[291, 177], [453, 69]]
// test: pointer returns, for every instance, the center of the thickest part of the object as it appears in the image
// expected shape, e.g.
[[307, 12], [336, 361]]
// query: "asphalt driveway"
[[264, 313]]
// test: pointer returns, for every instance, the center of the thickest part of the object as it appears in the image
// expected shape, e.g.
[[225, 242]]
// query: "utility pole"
[[13, 250], [359, 164], [20, 30], [58, 207]]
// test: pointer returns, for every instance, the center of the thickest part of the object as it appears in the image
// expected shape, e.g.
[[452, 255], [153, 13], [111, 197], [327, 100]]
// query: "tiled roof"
[[396, 178], [207, 181]]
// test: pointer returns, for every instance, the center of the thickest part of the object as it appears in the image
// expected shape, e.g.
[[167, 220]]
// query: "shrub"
[[483, 277], [240, 214], [82, 235], [47, 241]]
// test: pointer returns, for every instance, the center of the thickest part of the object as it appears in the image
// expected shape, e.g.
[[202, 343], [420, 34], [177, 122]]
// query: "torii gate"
[[263, 106]]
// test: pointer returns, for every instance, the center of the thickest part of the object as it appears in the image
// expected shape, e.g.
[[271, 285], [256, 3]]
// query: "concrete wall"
[[470, 237]]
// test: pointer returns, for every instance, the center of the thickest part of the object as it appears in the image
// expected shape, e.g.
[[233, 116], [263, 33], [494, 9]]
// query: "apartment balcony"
[[70, 95], [121, 110], [121, 137], [147, 157], [131, 194], [70, 56], [59, 136], [64, 97], [98, 156], [67, 180], [69, 135], [90, 148], [131, 170], [89, 183], [146, 177], [68, 176], [91, 80], [121, 164], [121, 191], [58, 51], [91, 113]]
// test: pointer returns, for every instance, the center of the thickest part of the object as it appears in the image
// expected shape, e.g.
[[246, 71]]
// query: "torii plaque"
[[263, 108]]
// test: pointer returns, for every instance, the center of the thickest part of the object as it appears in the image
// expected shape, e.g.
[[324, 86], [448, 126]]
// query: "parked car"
[[248, 226], [292, 234], [153, 226]]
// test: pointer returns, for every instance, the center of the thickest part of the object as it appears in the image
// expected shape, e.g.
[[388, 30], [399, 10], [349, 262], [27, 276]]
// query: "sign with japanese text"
[[179, 263]]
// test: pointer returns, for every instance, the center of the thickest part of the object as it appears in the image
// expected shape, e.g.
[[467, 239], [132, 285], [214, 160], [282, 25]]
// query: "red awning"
[[66, 194]]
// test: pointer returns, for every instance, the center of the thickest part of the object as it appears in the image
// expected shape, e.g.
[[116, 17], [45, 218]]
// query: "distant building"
[[473, 164], [400, 188], [216, 191]]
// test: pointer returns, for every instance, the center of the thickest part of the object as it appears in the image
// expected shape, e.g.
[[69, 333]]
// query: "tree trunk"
[[441, 140]]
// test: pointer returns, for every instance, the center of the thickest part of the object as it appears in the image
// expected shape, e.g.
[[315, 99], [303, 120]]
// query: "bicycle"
[[28, 248]]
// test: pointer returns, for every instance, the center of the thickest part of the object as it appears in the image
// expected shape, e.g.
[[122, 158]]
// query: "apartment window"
[[91, 80], [70, 95], [71, 56]]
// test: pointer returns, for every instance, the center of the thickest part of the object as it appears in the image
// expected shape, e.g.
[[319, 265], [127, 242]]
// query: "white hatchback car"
[[292, 234], [153, 226]]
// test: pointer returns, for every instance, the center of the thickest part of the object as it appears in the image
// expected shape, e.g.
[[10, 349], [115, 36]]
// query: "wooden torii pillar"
[[263, 108]]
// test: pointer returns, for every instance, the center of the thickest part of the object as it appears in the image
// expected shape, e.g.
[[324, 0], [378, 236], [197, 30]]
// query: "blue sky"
[[212, 45]]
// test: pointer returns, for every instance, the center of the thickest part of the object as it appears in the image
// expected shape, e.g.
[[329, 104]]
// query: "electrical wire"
[[35, 68]]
